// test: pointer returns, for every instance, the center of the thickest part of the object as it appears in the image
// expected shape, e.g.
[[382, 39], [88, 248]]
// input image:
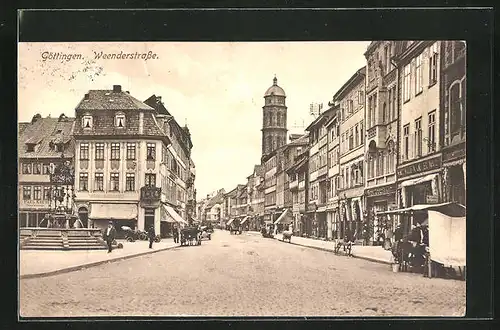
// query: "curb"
[[92, 264], [329, 250]]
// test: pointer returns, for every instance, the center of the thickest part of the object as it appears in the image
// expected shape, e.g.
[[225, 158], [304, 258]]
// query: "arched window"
[[269, 143], [278, 119], [120, 120], [87, 121]]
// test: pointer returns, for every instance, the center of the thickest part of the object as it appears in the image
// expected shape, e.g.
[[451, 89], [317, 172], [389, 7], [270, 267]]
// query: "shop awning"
[[174, 215], [416, 181], [113, 212], [283, 217], [230, 221], [165, 216], [450, 209], [244, 220]]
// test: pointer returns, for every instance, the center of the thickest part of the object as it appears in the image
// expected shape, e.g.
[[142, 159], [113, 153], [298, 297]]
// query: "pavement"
[[36, 263], [371, 253], [240, 275]]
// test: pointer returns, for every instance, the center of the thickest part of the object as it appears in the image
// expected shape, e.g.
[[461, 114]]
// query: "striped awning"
[[230, 221], [244, 220], [174, 215], [282, 217]]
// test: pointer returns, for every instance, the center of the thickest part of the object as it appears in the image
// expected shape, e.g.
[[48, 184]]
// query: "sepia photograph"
[[242, 179]]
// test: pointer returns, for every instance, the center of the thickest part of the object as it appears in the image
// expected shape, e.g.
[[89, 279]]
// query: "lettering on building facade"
[[454, 152], [422, 166], [380, 191]]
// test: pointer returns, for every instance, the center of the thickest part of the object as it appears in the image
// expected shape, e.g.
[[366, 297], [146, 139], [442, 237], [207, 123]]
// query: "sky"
[[217, 88]]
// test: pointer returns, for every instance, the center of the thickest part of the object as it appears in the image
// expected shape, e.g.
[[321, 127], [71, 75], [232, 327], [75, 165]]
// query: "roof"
[[275, 90], [22, 126], [322, 117], [302, 140], [217, 199], [103, 124], [43, 133], [105, 99], [355, 77]]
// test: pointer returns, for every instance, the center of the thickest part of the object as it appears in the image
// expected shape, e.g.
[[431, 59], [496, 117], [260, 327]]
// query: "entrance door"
[[83, 214], [149, 218]]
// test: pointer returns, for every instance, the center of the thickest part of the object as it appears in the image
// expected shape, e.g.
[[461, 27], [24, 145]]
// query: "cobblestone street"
[[241, 275]]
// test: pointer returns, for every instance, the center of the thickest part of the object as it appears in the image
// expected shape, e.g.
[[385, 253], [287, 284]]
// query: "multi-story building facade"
[[43, 144], [269, 162], [177, 170], [453, 123], [131, 163], [274, 119], [213, 208], [382, 111], [255, 198], [318, 174], [299, 188], [351, 100], [333, 155], [419, 167]]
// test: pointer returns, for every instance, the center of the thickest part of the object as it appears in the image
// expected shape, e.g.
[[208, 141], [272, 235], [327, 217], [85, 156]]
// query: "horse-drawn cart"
[[190, 236]]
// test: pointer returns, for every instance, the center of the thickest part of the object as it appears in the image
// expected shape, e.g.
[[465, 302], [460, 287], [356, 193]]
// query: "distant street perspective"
[[240, 275]]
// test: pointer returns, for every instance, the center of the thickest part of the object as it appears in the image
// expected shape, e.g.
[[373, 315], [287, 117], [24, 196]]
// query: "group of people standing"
[[109, 236]]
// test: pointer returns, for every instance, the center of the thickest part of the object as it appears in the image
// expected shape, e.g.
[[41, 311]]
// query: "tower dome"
[[275, 90]]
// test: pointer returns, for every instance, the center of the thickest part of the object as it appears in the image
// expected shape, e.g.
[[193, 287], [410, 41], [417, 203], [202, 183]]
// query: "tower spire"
[[275, 80]]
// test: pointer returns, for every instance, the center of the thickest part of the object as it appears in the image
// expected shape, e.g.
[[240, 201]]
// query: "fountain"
[[61, 229]]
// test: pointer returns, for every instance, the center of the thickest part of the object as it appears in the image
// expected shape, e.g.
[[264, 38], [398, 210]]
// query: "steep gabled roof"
[[104, 99], [43, 133]]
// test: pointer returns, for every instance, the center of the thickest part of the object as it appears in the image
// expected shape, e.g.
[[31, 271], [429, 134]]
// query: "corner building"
[[121, 163]]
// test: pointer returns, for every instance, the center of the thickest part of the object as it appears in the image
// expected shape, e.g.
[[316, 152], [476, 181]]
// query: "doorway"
[[83, 214], [149, 218]]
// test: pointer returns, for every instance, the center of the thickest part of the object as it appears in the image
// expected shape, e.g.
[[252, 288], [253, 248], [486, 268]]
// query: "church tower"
[[274, 119]]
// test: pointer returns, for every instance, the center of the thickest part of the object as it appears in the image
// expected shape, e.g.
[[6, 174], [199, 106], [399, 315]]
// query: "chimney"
[[128, 92], [87, 96], [117, 88]]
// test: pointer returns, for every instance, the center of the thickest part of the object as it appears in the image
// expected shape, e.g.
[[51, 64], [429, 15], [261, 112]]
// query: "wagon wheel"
[[130, 239], [143, 237], [157, 239]]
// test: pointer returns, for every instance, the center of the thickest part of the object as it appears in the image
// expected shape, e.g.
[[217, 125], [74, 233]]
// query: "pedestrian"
[[175, 234], [151, 235], [109, 236]]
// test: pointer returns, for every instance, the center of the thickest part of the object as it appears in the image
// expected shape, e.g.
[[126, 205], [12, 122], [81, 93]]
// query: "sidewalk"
[[371, 253], [40, 263]]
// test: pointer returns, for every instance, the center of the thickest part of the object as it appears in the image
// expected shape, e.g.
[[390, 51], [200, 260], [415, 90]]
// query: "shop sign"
[[379, 191], [432, 199], [454, 152], [422, 166], [312, 208]]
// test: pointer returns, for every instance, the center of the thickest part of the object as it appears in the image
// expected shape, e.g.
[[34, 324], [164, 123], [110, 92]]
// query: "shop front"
[[322, 222], [419, 184], [310, 221], [121, 214], [331, 221], [380, 199]]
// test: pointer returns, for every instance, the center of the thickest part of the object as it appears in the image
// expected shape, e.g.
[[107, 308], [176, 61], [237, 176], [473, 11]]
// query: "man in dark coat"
[[175, 233], [109, 236], [151, 235]]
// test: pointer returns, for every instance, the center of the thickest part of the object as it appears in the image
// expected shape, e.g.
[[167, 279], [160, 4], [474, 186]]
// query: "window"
[[115, 182], [419, 74], [356, 136], [151, 151], [46, 169], [455, 103], [115, 151], [37, 168], [84, 151], [361, 97], [384, 113], [350, 106], [120, 120], [431, 135], [99, 151], [406, 82], [99, 182], [433, 63], [131, 151], [418, 137], [26, 168], [27, 193], [87, 121], [406, 141], [84, 181], [37, 193], [46, 193], [394, 103], [150, 180]]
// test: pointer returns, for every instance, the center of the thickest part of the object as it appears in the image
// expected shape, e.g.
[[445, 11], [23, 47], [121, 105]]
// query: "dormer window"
[[120, 120], [87, 121], [30, 147]]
